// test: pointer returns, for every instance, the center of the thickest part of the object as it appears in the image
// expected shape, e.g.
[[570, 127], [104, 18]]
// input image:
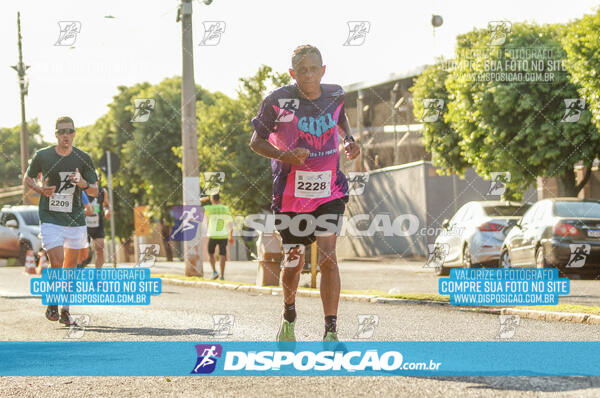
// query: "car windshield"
[[505, 211], [30, 217], [577, 209]]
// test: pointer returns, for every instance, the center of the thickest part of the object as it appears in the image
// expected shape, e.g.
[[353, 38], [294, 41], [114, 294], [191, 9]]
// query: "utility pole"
[[192, 249], [395, 92], [23, 86]]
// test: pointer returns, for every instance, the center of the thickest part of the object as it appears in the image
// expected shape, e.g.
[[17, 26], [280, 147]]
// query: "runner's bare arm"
[[106, 204], [43, 190], [296, 156], [351, 148]]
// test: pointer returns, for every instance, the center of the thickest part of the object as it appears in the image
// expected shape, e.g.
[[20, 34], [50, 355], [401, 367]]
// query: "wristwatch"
[[349, 138]]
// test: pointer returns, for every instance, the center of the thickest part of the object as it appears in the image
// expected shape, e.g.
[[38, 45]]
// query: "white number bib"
[[93, 221], [312, 184], [62, 203]]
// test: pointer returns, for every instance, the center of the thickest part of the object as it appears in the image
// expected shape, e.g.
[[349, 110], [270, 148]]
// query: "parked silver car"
[[19, 232], [474, 235]]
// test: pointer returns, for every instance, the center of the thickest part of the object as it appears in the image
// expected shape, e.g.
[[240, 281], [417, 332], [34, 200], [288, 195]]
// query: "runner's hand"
[[352, 150], [296, 156], [47, 190]]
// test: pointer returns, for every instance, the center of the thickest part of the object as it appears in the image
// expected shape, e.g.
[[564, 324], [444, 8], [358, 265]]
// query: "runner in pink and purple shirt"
[[298, 127]]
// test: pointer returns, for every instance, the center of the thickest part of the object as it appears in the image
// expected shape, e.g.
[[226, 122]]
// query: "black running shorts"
[[335, 209], [213, 243]]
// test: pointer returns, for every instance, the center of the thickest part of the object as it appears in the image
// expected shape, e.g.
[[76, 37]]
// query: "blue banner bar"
[[447, 358]]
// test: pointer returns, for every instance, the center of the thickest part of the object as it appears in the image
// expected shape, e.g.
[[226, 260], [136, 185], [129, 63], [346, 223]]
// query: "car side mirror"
[[445, 223], [12, 224]]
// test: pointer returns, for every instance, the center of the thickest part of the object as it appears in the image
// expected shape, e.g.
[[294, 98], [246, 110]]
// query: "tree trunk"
[[165, 231], [567, 183]]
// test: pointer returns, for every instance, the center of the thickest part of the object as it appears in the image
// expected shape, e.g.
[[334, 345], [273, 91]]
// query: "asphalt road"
[[185, 313]]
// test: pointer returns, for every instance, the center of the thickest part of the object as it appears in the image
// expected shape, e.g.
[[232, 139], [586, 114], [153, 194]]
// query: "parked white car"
[[474, 235], [19, 232]]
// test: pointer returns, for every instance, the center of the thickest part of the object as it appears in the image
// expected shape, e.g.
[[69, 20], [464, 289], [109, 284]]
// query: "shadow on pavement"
[[149, 331], [527, 383]]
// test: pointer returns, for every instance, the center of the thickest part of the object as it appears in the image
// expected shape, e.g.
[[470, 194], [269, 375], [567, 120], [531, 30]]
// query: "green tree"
[[516, 126], [583, 60], [150, 172], [224, 131], [10, 152], [441, 140]]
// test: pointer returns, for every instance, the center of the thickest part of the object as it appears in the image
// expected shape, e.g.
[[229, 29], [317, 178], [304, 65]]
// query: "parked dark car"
[[560, 232], [474, 235]]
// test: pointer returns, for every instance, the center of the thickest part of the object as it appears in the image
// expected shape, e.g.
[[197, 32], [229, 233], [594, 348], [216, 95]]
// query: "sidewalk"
[[405, 275]]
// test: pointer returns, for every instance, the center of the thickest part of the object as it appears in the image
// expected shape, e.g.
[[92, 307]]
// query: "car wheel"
[[540, 260], [504, 259], [467, 262], [23, 248]]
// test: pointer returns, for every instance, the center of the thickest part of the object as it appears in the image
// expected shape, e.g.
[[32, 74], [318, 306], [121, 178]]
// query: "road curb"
[[524, 313]]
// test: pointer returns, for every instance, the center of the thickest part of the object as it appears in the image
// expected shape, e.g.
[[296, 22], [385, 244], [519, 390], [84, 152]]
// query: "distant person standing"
[[220, 232], [84, 253], [95, 221]]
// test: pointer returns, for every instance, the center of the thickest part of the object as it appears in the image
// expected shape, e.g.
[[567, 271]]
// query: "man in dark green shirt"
[[66, 171]]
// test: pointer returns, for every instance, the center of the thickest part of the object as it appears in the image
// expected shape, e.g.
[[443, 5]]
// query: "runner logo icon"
[[187, 218], [579, 253], [207, 358], [68, 33], [573, 109], [287, 109]]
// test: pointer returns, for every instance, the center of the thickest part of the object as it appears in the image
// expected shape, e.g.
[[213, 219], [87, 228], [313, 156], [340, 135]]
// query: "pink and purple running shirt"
[[289, 121]]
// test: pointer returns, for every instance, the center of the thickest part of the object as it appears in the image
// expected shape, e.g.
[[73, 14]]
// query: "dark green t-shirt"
[[58, 168]]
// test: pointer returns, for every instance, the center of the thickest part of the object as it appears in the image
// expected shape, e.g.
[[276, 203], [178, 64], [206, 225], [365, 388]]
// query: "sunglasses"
[[65, 131]]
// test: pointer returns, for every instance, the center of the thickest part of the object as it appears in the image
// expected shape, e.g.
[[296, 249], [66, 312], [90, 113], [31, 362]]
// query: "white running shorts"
[[69, 237]]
